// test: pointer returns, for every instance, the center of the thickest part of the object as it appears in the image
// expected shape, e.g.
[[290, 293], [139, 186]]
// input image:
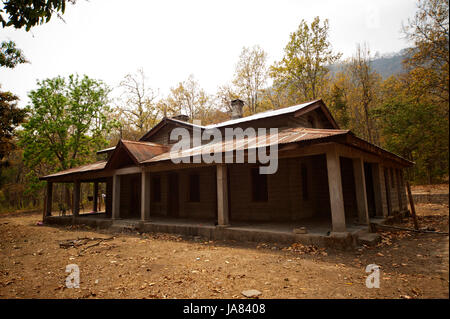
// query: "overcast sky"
[[172, 39]]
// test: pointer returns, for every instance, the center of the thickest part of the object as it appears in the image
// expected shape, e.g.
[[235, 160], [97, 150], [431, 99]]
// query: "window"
[[194, 188], [304, 172], [259, 185], [156, 189]]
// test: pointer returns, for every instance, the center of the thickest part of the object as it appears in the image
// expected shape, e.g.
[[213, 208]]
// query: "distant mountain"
[[385, 65]]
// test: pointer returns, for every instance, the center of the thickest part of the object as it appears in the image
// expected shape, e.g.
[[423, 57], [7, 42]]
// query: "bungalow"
[[328, 183]]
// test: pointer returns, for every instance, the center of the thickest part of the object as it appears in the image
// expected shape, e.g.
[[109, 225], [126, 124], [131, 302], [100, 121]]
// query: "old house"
[[328, 181]]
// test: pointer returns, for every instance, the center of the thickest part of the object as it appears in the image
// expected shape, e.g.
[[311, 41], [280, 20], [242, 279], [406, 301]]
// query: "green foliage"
[[304, 67], [67, 122], [10, 55], [10, 118], [29, 13], [418, 132]]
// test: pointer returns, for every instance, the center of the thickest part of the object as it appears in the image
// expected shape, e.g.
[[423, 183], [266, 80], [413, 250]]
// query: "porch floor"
[[314, 226]]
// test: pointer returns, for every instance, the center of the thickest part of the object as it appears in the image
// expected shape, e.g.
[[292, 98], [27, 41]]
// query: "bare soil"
[[432, 189], [132, 265]]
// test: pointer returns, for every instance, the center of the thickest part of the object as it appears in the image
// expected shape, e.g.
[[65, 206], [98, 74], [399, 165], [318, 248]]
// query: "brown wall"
[[285, 202], [206, 208]]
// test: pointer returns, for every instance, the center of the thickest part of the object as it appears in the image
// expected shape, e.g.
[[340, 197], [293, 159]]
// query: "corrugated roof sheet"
[[80, 169], [262, 115], [286, 136], [144, 150]]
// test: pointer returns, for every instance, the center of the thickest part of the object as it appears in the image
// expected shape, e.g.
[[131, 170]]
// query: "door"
[[172, 195]]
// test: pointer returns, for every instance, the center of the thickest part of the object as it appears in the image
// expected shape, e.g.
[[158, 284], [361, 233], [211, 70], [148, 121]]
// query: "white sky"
[[171, 39]]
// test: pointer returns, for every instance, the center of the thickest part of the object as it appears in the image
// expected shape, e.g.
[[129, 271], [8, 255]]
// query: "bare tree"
[[138, 107], [251, 75], [188, 97]]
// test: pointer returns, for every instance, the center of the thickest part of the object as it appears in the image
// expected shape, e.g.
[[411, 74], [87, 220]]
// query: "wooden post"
[[222, 195], [116, 197], [76, 198], [48, 199], [145, 196], [413, 209], [335, 189], [95, 197], [360, 188]]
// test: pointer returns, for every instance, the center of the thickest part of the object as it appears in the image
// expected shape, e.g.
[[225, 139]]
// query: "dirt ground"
[[435, 188], [32, 264]]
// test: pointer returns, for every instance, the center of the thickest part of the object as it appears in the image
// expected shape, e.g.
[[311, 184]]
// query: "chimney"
[[236, 108], [181, 117]]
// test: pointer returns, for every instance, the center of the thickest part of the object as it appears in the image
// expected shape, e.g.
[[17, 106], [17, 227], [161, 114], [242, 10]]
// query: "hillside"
[[385, 65]]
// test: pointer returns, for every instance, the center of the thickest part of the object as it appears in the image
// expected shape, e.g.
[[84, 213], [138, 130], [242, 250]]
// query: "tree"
[[413, 128], [10, 118], [10, 115], [251, 75], [365, 80], [303, 69], [10, 55], [29, 13], [66, 124], [429, 57], [188, 97], [224, 95], [138, 104]]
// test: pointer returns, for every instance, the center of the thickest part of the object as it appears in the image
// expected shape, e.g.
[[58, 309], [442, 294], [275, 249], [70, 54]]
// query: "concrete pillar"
[[76, 198], [145, 196], [116, 197], [49, 199], [360, 188], [222, 195], [335, 188], [379, 190], [95, 199]]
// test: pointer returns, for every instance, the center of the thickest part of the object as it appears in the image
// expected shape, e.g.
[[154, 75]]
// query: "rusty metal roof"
[[142, 151], [80, 169], [286, 136], [148, 153]]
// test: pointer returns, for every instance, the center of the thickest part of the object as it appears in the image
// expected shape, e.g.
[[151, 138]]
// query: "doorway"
[[388, 193], [172, 195], [370, 193]]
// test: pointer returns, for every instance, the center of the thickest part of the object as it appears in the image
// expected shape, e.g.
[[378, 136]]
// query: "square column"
[[145, 196], [49, 199], [76, 198], [116, 197], [222, 195], [360, 188], [335, 188], [95, 199]]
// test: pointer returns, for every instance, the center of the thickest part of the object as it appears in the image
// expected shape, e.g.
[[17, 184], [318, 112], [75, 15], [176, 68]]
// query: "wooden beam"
[[95, 197], [76, 198], [49, 199]]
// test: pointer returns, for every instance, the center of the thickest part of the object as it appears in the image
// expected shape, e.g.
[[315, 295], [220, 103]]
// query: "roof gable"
[[296, 110], [128, 153]]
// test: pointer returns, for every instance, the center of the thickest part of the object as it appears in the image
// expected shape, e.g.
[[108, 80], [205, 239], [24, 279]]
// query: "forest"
[[69, 118]]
